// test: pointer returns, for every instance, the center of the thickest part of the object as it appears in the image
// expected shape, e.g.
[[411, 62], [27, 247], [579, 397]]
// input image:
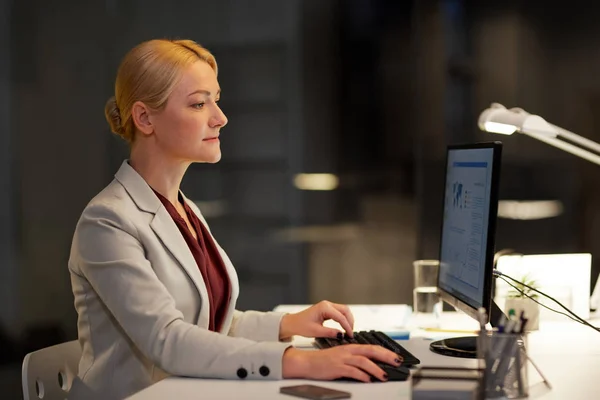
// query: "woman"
[[154, 292]]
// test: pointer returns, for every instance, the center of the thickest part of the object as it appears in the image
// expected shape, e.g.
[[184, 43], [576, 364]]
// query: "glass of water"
[[425, 295]]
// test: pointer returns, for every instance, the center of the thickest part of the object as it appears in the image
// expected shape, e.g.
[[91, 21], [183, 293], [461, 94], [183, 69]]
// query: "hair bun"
[[113, 116]]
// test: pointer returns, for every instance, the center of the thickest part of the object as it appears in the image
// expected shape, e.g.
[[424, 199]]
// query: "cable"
[[579, 319], [543, 305]]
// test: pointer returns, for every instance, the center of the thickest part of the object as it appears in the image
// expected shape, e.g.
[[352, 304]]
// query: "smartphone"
[[314, 392]]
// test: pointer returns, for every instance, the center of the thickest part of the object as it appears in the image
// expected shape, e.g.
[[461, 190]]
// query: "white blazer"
[[143, 306]]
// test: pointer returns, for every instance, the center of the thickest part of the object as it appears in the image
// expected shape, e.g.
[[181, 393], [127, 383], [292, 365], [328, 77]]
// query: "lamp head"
[[499, 119]]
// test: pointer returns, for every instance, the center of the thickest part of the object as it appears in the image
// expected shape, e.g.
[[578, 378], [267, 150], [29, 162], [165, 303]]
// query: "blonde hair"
[[149, 73]]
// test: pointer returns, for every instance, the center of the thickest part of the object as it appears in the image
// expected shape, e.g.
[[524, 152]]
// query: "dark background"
[[372, 91]]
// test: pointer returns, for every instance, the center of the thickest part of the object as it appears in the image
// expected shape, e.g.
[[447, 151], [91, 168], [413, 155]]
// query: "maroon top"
[[209, 261]]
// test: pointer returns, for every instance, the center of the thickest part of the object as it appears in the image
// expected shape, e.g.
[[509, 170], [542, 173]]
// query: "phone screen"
[[314, 392]]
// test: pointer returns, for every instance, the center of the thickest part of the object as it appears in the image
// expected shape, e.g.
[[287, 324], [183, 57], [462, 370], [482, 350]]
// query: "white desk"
[[567, 353]]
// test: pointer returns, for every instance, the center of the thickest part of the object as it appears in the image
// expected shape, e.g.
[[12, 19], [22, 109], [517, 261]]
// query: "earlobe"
[[141, 118]]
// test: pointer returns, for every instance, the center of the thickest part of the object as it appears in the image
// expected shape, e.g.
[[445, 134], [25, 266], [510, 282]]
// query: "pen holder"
[[505, 365]]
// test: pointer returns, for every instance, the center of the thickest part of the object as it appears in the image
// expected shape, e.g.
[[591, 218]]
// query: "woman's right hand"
[[346, 361]]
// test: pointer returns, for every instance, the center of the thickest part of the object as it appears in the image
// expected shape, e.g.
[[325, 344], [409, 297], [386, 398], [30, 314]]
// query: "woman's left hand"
[[309, 322]]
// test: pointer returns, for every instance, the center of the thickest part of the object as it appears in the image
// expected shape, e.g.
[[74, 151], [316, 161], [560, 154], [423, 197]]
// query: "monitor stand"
[[595, 299], [465, 346]]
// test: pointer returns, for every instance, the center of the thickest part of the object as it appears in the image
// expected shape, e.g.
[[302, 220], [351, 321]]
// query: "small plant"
[[523, 291]]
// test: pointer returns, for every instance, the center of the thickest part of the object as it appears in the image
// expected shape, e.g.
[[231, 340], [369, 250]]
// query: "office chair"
[[48, 373]]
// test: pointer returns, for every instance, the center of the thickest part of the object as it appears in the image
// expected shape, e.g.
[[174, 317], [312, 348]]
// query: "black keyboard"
[[371, 337]]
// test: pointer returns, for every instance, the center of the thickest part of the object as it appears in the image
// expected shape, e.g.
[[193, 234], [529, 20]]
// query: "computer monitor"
[[468, 229]]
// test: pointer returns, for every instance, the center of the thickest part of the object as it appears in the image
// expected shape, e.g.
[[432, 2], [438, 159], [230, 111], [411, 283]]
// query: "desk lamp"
[[499, 119]]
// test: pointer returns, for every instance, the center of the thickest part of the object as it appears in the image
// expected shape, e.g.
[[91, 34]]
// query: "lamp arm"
[[568, 147], [583, 142]]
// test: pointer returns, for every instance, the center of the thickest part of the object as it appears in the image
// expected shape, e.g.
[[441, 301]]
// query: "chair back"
[[48, 373]]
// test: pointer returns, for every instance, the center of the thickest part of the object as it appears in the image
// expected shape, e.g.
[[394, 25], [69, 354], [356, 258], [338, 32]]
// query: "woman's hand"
[[346, 361], [309, 322]]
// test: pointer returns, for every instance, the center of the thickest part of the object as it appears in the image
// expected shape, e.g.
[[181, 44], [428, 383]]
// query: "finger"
[[331, 312], [347, 371], [368, 366], [345, 310], [323, 331], [377, 353]]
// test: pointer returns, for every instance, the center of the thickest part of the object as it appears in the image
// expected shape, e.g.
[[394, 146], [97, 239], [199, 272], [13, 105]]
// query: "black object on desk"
[[371, 337], [400, 373]]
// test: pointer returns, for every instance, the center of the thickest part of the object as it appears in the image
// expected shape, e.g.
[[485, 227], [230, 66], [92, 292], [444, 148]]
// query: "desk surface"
[[574, 379]]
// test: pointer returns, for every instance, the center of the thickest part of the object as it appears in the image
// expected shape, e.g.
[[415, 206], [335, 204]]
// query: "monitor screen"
[[468, 227]]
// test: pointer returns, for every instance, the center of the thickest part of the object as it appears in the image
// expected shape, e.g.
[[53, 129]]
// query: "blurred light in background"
[[529, 210], [316, 181], [318, 233], [212, 209]]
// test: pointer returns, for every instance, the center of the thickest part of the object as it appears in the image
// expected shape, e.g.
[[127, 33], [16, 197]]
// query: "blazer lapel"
[[165, 228], [231, 272]]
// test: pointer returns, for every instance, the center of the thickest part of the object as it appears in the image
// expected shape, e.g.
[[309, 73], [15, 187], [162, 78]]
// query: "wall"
[[8, 264], [65, 57]]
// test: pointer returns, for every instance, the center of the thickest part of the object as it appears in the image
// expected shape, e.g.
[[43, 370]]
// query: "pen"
[[501, 345], [501, 323], [523, 325], [481, 337], [512, 316], [517, 327], [523, 321], [503, 358], [509, 326], [482, 318], [519, 362]]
